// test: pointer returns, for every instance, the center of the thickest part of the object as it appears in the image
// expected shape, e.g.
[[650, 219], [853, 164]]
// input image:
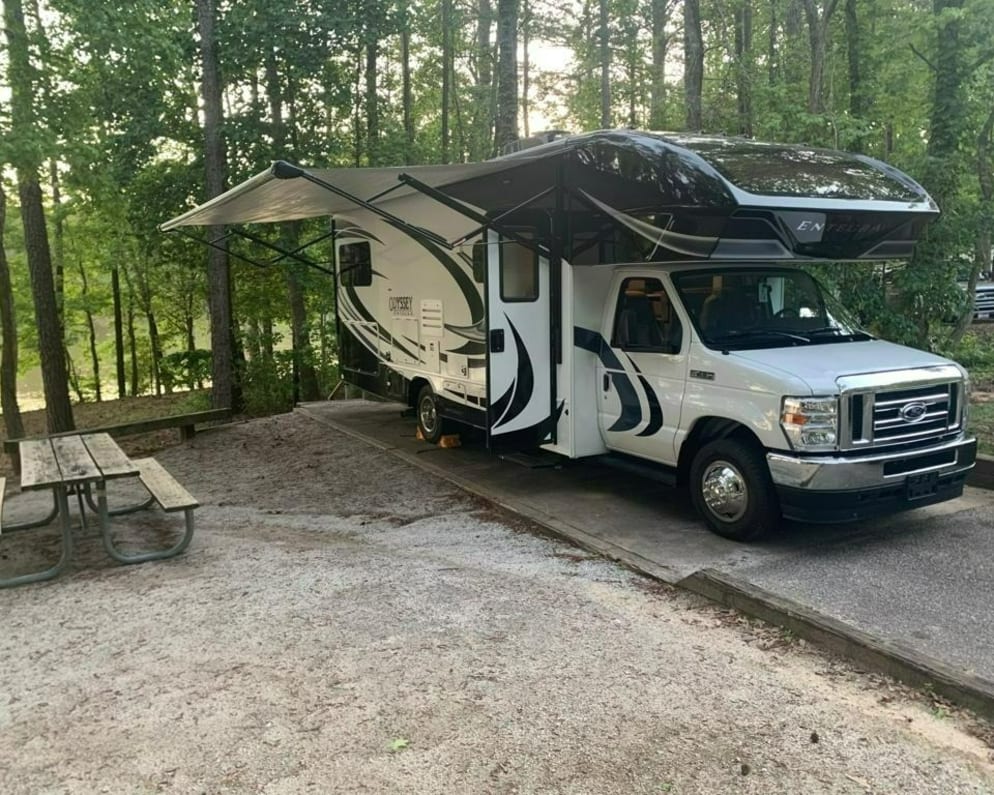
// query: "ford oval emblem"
[[913, 412]]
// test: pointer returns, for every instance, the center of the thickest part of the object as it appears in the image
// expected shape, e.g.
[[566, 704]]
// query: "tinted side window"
[[518, 273], [645, 319], [355, 264]]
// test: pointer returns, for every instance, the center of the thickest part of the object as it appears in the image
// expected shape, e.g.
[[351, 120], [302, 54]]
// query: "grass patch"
[[982, 425]]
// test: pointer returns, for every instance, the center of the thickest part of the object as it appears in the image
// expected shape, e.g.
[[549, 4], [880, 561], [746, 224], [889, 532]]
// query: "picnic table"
[[83, 464]]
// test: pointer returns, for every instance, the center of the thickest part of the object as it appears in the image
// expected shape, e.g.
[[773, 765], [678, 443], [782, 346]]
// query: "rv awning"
[[284, 193]]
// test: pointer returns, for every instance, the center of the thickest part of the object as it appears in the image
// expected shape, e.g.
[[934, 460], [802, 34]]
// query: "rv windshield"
[[746, 308]]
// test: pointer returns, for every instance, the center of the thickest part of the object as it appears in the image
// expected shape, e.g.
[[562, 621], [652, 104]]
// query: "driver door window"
[[645, 319]]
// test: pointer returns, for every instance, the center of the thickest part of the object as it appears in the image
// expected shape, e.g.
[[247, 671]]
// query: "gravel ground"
[[343, 623]]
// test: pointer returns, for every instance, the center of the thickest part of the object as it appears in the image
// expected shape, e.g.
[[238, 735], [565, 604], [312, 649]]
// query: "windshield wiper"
[[760, 332]]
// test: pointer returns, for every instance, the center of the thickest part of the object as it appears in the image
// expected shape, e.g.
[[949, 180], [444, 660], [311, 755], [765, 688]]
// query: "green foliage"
[[268, 384], [975, 353], [185, 368]]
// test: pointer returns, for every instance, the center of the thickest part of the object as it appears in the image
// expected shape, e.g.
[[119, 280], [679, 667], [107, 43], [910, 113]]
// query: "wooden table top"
[[66, 460]]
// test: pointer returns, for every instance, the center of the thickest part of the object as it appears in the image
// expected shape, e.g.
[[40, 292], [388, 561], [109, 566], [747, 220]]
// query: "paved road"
[[923, 579]]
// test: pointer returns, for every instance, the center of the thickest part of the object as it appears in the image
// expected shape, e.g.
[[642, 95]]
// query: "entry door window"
[[645, 319], [518, 273]]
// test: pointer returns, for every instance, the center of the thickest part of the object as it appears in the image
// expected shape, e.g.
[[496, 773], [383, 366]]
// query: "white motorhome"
[[641, 296]]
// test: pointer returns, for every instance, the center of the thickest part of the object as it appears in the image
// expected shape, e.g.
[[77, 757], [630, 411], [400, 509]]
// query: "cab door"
[[642, 374], [519, 365]]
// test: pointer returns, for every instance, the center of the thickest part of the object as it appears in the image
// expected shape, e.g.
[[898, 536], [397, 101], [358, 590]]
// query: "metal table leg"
[[138, 506], [61, 500], [140, 557], [12, 528]]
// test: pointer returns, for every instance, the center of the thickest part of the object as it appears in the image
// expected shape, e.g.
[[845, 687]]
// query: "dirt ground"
[[342, 623]]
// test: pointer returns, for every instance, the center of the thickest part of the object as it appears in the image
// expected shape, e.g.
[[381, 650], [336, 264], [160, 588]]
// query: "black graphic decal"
[[498, 407], [631, 409], [469, 290], [476, 333], [471, 348], [524, 380], [655, 410]]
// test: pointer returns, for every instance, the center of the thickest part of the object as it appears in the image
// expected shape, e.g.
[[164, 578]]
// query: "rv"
[[641, 297]]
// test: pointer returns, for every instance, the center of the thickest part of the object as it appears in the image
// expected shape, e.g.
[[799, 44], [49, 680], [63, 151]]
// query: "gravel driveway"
[[343, 623]]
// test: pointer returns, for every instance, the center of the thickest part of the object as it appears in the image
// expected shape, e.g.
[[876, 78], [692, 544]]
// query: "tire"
[[430, 421], [731, 488]]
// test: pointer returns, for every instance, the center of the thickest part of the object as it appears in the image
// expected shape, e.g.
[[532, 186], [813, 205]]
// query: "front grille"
[[906, 416]]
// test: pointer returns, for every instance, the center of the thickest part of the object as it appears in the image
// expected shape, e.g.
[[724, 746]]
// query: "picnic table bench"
[[187, 424], [79, 464]]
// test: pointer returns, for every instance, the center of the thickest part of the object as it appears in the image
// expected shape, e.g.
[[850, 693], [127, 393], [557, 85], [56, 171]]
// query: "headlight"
[[811, 423]]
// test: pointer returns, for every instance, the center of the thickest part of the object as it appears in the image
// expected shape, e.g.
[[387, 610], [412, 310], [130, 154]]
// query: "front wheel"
[[731, 488], [430, 422]]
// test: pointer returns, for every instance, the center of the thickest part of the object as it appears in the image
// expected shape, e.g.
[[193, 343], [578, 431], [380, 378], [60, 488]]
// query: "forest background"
[[116, 115]]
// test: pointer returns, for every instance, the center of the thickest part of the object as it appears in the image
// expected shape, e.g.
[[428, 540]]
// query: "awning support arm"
[[486, 223], [284, 170], [216, 243], [284, 254]]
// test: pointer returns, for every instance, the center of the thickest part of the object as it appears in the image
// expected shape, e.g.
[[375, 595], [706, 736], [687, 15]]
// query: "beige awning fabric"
[[267, 198]]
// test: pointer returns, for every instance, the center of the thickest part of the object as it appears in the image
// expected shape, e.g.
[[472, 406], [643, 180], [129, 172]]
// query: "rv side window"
[[518, 273], [479, 262], [355, 264], [645, 319]]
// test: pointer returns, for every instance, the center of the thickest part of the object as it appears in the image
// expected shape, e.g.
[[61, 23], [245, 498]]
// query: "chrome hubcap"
[[428, 415], [724, 490]]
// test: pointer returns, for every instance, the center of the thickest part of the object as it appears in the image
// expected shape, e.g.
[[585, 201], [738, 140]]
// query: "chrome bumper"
[[835, 473]]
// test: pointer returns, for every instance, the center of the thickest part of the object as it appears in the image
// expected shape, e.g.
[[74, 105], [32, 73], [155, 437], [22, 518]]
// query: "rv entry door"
[[519, 367]]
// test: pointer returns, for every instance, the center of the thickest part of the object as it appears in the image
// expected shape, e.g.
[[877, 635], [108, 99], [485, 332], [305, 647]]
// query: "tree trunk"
[[743, 64], [58, 247], [91, 329], [693, 63], [660, 46], [818, 20], [115, 286], [857, 100], [507, 73], [133, 345], [446, 76], [153, 341], [526, 16], [8, 327], [485, 110], [73, 376], [372, 101], [27, 164], [224, 391], [405, 79], [268, 350], [604, 55], [771, 47], [303, 354]]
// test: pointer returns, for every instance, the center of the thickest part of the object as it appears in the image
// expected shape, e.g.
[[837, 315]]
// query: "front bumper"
[[838, 489]]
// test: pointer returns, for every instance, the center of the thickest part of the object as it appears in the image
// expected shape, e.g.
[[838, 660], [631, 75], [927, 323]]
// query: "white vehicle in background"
[[983, 301], [639, 297]]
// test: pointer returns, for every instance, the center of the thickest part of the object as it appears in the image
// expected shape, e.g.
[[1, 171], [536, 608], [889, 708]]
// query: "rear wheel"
[[430, 421], [731, 488]]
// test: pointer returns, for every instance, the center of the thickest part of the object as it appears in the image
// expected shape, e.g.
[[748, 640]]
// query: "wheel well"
[[414, 389], [705, 430]]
